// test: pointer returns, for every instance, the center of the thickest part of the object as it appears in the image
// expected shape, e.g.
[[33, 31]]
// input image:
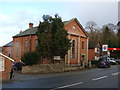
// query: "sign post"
[[105, 50]]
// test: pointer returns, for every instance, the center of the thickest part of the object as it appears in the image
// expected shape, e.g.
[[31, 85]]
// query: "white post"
[[69, 52], [87, 52], [89, 64], [83, 64]]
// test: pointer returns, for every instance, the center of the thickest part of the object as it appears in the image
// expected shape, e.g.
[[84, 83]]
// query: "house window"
[[2, 65], [73, 49], [96, 50], [26, 45], [16, 49], [6, 54], [73, 27], [83, 44], [83, 57], [36, 43]]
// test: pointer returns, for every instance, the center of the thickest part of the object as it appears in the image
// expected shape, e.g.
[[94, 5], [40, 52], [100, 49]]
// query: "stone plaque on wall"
[[56, 57]]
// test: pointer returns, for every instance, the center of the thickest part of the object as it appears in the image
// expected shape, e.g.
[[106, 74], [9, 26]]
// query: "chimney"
[[20, 31], [30, 25]]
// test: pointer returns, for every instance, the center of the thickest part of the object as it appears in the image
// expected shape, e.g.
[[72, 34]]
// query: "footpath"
[[19, 77]]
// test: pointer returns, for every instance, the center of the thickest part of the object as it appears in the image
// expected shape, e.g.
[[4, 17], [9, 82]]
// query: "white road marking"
[[99, 78], [116, 73], [70, 85]]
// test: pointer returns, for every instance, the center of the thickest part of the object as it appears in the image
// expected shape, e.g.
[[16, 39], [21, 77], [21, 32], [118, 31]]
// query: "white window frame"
[[75, 49], [2, 65]]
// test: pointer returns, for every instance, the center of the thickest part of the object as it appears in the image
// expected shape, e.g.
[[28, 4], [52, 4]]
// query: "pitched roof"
[[9, 44], [118, 24], [67, 22], [93, 44], [32, 31]]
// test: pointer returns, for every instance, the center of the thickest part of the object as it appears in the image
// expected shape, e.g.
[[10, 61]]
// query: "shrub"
[[94, 62], [30, 58]]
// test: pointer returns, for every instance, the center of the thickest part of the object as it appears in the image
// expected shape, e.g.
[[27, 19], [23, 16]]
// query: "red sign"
[[113, 48], [104, 47]]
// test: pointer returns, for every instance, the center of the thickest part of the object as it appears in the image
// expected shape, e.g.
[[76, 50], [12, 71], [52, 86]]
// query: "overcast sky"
[[15, 16]]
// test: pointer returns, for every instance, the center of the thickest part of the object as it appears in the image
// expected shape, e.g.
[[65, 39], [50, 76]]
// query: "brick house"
[[24, 41], [94, 50], [5, 67], [78, 54], [7, 49], [1, 49]]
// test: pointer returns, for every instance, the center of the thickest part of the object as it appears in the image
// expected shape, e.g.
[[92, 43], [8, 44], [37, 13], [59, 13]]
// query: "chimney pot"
[[20, 31], [30, 25]]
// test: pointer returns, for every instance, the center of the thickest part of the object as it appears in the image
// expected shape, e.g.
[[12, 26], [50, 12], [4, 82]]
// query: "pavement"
[[18, 76]]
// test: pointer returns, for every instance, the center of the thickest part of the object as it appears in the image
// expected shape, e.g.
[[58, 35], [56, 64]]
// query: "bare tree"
[[94, 30]]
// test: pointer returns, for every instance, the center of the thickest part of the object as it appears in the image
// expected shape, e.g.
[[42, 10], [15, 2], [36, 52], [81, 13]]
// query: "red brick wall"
[[91, 54], [7, 51], [83, 51], [74, 61], [19, 52], [7, 69], [77, 32]]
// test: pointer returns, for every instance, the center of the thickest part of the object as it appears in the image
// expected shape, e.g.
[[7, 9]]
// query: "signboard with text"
[[56, 57]]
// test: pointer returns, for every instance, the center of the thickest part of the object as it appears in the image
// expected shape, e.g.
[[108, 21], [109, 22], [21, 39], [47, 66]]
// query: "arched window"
[[26, 45], [73, 49], [17, 49], [83, 57], [82, 44], [36, 43]]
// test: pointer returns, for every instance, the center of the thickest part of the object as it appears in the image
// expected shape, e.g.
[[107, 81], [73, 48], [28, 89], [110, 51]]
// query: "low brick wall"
[[48, 68]]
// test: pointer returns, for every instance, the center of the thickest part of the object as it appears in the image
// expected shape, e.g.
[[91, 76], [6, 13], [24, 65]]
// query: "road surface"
[[90, 78]]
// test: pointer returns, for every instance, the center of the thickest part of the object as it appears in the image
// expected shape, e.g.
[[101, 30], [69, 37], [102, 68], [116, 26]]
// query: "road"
[[90, 78]]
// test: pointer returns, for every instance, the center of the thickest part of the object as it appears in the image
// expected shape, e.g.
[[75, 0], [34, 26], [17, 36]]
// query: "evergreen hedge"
[[94, 62], [30, 58]]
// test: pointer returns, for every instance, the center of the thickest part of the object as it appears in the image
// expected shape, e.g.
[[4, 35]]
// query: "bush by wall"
[[94, 62], [30, 58]]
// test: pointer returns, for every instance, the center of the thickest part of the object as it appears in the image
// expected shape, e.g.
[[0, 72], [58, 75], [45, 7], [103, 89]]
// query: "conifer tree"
[[52, 38], [44, 39], [59, 37]]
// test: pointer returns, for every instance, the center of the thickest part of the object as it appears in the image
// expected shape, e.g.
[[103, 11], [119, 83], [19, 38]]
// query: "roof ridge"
[[8, 44], [33, 30], [25, 31]]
